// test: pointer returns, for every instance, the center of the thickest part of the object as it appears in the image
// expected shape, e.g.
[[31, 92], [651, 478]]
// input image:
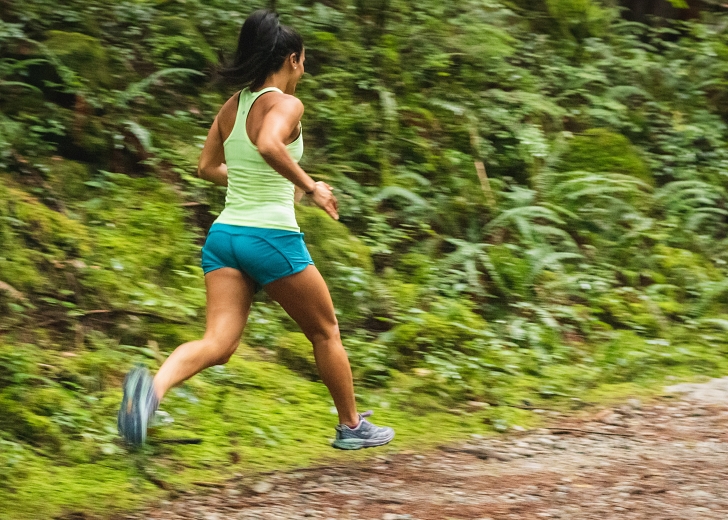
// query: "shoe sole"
[[358, 444], [131, 421]]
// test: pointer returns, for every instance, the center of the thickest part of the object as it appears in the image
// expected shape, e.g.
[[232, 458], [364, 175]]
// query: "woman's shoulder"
[[287, 102], [232, 103], [228, 113]]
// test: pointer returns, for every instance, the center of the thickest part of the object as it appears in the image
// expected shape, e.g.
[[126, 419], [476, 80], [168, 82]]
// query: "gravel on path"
[[668, 460]]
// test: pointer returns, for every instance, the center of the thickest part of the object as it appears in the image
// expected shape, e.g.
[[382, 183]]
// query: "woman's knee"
[[324, 333], [220, 350]]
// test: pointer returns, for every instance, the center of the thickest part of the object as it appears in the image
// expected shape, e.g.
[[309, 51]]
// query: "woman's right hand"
[[323, 197]]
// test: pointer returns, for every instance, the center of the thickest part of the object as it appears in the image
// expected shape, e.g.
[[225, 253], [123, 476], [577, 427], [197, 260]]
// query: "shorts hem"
[[205, 271], [293, 271], [258, 285]]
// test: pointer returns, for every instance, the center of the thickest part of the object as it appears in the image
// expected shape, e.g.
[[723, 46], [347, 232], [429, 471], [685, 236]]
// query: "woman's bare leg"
[[306, 299], [229, 296]]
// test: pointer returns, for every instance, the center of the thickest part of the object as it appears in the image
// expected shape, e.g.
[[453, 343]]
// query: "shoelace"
[[362, 416]]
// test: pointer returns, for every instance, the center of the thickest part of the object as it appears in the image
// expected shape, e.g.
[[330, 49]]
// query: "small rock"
[[609, 418], [262, 487], [635, 404], [603, 415], [517, 428], [493, 454], [522, 452], [625, 410], [478, 405]]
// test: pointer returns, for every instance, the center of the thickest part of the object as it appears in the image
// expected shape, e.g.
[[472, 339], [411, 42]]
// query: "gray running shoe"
[[137, 406], [366, 435]]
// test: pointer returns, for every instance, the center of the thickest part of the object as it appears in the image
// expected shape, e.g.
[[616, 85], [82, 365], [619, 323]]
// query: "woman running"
[[253, 148]]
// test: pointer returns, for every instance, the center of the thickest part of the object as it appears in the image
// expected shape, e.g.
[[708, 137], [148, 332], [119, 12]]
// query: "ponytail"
[[263, 46]]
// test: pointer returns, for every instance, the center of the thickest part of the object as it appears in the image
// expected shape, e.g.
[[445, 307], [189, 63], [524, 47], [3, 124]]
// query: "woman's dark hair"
[[263, 46]]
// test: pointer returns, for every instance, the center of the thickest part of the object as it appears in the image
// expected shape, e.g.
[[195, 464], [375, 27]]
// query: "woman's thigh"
[[229, 296], [306, 299]]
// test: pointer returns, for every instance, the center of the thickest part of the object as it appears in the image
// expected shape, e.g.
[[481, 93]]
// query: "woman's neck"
[[281, 81]]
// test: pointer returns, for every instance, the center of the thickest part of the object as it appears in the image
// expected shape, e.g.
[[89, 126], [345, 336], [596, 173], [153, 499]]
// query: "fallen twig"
[[219, 485], [179, 441], [588, 432], [96, 312]]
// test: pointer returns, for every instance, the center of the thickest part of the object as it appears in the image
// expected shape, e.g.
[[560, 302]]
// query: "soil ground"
[[665, 460]]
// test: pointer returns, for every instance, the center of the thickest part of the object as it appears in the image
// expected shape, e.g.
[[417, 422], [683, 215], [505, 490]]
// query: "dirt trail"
[[664, 461]]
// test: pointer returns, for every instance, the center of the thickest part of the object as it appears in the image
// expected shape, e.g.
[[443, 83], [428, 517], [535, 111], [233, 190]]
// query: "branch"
[[590, 432]]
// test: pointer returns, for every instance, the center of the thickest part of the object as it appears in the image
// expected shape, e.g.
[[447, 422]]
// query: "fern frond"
[[139, 88], [391, 192]]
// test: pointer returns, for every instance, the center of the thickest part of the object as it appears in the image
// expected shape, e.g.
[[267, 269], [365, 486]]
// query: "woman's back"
[[257, 195]]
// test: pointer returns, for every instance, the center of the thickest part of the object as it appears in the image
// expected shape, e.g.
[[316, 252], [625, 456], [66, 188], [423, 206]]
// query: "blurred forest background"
[[533, 199]]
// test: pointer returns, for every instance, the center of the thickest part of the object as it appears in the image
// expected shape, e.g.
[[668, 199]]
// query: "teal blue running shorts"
[[266, 255]]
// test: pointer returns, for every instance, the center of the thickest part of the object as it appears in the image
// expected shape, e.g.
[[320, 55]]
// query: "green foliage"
[[176, 42], [579, 19], [342, 259], [296, 352], [449, 327], [600, 150], [68, 178], [83, 54]]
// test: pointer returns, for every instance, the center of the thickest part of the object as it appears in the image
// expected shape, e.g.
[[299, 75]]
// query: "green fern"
[[138, 89]]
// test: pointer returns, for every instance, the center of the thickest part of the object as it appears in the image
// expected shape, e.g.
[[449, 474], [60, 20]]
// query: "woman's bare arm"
[[280, 122], [211, 166]]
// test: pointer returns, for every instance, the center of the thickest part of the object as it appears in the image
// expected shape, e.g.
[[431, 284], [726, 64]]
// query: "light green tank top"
[[257, 195]]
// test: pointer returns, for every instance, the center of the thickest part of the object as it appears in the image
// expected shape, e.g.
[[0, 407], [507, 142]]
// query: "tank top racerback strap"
[[245, 102]]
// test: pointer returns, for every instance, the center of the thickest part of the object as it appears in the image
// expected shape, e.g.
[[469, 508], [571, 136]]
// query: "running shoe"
[[137, 406], [365, 435]]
